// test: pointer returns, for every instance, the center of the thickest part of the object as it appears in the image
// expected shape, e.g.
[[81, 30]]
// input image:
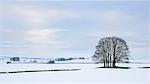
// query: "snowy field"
[[88, 74]]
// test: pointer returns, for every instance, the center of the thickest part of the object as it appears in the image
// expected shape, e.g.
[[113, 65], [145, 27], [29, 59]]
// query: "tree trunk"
[[114, 62], [110, 61], [104, 64], [114, 55]]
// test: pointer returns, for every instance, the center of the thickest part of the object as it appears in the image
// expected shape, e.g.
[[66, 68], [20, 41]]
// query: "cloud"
[[32, 38], [113, 16], [40, 52], [39, 28], [140, 52], [32, 16], [110, 33], [1, 17], [29, 15], [35, 15], [110, 16], [41, 35]]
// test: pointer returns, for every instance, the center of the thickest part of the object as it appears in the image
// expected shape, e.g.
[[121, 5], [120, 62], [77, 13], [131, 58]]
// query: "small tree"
[[111, 50]]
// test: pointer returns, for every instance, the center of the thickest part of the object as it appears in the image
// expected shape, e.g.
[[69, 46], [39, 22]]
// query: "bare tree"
[[111, 50]]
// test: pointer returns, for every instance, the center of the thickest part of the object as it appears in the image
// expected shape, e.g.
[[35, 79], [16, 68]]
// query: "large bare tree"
[[111, 50]]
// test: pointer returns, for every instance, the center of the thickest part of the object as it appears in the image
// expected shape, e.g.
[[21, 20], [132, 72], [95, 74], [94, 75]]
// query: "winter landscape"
[[74, 42], [78, 71]]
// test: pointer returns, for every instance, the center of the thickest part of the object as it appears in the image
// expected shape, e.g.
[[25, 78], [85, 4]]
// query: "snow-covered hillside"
[[58, 60], [24, 60]]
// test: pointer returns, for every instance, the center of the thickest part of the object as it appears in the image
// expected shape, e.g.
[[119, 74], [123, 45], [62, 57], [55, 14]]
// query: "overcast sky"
[[46, 28]]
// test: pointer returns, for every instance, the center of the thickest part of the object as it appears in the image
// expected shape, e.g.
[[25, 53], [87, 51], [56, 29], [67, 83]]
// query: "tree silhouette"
[[111, 50]]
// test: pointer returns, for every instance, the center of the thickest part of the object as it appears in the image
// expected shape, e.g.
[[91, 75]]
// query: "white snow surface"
[[89, 74]]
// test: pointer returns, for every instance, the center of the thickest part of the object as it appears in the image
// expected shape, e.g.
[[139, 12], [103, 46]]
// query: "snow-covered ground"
[[88, 74]]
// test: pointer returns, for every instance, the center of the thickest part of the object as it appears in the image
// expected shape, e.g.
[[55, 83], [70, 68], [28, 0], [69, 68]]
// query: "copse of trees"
[[111, 50]]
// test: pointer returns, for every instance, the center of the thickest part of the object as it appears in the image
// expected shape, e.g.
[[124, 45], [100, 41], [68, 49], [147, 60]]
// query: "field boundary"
[[27, 71]]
